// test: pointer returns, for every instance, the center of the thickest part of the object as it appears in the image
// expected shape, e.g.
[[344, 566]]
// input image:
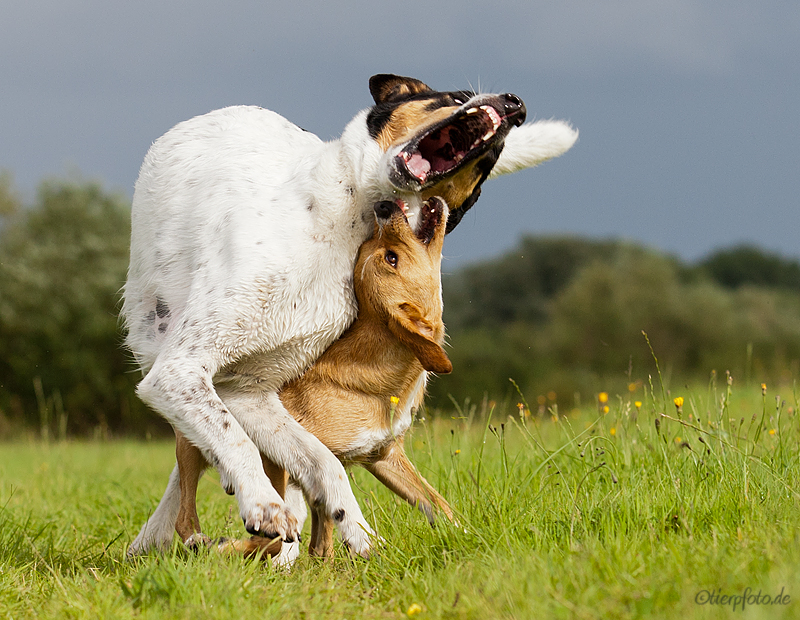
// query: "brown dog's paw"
[[196, 541], [250, 547]]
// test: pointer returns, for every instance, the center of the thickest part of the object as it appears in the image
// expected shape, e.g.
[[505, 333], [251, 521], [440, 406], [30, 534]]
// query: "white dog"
[[244, 236]]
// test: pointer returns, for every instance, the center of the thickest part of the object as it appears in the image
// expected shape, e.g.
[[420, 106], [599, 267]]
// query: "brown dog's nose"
[[514, 108], [384, 208]]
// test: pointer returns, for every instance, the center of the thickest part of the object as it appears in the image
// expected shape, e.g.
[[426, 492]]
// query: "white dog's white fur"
[[244, 234]]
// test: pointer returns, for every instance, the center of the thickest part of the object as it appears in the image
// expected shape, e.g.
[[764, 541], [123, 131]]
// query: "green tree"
[[567, 315], [62, 263], [9, 200], [518, 285], [744, 264]]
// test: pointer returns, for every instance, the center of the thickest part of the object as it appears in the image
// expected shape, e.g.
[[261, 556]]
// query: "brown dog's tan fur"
[[359, 396]]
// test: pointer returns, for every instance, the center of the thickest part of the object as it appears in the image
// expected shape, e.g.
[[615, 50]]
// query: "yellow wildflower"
[[603, 397], [394, 400], [612, 431], [638, 404], [678, 402], [772, 431], [605, 409], [413, 610], [763, 389]]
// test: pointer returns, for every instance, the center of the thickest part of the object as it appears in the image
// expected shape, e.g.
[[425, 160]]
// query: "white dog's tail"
[[533, 143]]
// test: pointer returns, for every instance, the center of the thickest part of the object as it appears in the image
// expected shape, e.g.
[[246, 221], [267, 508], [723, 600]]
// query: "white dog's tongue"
[[419, 166]]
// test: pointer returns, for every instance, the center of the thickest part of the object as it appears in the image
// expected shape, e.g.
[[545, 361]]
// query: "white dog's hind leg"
[[181, 389], [306, 459], [159, 530]]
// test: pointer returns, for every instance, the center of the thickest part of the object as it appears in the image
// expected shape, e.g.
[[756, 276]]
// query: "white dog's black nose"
[[514, 108]]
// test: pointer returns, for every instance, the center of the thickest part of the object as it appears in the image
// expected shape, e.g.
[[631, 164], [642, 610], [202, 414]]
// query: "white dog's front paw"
[[269, 519], [356, 533]]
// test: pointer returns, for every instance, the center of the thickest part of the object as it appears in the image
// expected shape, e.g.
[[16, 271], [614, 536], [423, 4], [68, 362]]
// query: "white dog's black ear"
[[386, 87], [533, 143]]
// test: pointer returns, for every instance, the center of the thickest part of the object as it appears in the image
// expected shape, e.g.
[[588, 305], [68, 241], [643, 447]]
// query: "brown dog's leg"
[[398, 473], [321, 544], [277, 476], [191, 465]]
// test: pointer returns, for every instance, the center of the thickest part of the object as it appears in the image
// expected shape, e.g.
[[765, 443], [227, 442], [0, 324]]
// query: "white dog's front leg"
[[323, 478], [183, 392]]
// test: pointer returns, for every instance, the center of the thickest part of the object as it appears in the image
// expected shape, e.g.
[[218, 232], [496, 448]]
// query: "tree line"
[[566, 315], [559, 316]]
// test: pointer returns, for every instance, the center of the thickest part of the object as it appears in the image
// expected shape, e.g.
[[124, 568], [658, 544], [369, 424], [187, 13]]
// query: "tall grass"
[[630, 506]]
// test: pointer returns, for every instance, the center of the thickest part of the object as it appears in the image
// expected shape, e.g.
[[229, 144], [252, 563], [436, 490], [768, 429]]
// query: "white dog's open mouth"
[[444, 147], [441, 149]]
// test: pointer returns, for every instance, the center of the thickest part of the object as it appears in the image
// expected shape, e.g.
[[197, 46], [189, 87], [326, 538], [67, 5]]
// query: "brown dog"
[[358, 399]]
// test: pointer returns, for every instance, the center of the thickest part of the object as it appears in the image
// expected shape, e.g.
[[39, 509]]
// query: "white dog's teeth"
[[472, 110], [488, 135], [493, 115]]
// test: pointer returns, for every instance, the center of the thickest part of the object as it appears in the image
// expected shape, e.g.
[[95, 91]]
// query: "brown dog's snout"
[[384, 210]]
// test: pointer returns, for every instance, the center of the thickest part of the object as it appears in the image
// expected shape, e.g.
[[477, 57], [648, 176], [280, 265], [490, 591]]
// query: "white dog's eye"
[[391, 258]]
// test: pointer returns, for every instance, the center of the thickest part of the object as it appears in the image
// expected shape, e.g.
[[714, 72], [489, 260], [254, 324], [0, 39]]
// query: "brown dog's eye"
[[391, 258]]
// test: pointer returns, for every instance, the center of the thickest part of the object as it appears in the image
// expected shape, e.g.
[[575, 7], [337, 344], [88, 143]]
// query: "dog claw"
[[256, 530], [271, 521], [197, 540]]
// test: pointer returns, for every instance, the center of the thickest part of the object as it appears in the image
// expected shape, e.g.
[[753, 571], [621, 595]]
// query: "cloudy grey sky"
[[689, 110]]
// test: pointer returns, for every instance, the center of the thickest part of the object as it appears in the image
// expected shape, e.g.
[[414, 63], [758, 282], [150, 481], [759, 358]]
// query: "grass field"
[[652, 511]]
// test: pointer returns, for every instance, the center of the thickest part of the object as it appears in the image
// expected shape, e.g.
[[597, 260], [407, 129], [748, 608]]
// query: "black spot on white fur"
[[162, 309]]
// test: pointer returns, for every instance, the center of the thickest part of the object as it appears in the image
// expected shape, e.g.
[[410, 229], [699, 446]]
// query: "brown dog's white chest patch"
[[397, 421]]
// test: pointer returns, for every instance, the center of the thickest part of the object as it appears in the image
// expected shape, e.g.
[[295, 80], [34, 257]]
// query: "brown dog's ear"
[[416, 332], [387, 87]]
